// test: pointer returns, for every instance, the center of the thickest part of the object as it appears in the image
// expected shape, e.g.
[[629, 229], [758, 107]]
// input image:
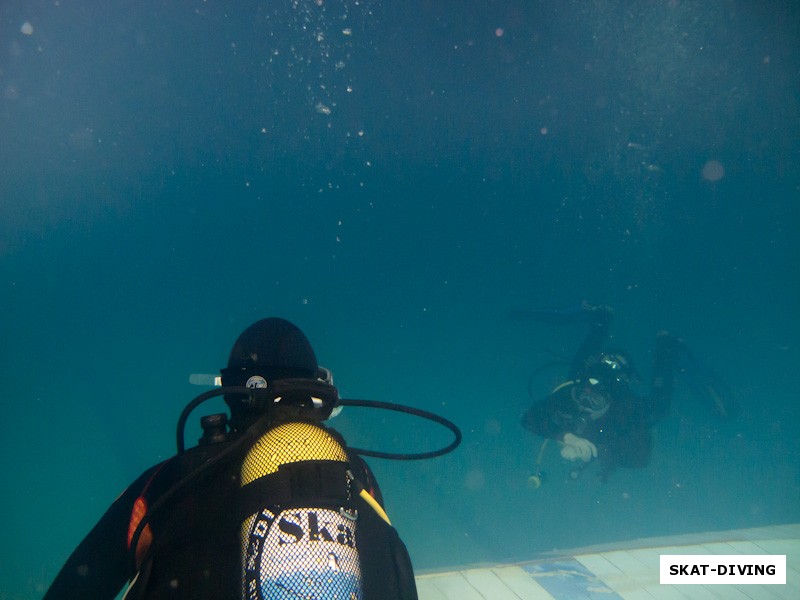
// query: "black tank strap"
[[307, 483]]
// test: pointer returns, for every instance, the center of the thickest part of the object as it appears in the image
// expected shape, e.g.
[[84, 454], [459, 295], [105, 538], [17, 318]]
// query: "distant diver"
[[595, 415]]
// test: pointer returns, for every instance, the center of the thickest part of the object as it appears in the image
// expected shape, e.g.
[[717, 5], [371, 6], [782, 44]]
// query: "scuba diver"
[[595, 413], [272, 504]]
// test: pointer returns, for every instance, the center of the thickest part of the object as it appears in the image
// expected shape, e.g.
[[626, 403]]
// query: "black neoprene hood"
[[275, 349]]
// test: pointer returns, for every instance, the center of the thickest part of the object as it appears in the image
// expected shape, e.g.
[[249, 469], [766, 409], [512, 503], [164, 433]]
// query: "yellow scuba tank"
[[299, 541]]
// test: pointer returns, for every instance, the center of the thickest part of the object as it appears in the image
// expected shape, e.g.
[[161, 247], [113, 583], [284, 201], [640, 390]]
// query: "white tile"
[[612, 576], [489, 585], [427, 590], [455, 587], [521, 583]]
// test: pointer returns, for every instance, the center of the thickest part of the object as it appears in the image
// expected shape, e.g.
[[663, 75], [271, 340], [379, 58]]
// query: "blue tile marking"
[[570, 580]]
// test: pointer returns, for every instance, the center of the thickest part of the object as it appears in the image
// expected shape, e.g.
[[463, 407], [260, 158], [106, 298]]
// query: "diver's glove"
[[578, 448]]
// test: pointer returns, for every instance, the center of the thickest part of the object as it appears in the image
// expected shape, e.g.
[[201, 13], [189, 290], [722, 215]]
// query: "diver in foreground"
[[595, 414], [272, 504]]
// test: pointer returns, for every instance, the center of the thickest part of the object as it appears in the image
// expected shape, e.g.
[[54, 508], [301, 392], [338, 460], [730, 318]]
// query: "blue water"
[[396, 178]]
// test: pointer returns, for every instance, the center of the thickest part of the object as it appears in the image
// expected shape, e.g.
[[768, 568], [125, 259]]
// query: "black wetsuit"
[[622, 434], [195, 546]]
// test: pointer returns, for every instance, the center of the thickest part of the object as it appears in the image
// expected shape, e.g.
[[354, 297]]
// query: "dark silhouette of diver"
[[271, 504], [595, 414]]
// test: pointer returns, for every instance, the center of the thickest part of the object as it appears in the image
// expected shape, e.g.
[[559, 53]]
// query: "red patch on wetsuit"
[[146, 537]]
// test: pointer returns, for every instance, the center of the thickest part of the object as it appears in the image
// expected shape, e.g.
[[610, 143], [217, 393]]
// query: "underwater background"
[[401, 180]]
